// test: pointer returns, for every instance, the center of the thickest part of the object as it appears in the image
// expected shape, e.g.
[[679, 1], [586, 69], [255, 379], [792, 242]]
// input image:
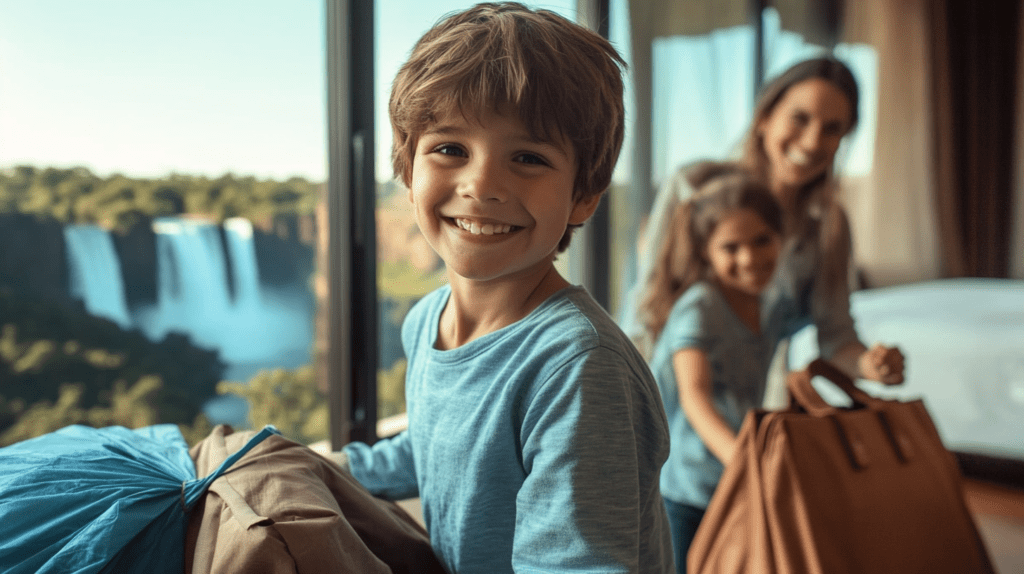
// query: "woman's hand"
[[883, 364]]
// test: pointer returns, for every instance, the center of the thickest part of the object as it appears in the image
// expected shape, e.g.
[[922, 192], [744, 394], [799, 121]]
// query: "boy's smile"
[[492, 200]]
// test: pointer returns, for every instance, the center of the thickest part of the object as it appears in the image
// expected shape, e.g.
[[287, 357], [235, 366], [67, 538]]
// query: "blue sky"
[[152, 87]]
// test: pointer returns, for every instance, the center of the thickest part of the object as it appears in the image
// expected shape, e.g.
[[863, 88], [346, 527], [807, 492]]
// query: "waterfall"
[[208, 288], [244, 269], [192, 289], [95, 273], [257, 327]]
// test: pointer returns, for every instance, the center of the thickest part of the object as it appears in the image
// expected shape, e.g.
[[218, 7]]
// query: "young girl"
[[714, 339]]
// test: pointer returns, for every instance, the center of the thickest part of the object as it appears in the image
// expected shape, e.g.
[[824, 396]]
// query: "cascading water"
[[192, 292], [255, 328], [244, 269], [95, 273]]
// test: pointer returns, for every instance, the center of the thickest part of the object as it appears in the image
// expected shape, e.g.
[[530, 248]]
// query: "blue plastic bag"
[[85, 500]]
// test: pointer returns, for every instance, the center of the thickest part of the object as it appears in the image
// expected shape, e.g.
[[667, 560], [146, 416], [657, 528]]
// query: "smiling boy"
[[536, 432]]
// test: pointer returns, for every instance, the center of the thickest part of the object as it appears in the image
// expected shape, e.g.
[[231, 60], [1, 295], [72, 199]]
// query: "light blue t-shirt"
[[739, 360], [535, 448]]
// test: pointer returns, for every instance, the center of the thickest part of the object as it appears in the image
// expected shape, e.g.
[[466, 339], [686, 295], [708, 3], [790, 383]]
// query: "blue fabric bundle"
[[82, 500]]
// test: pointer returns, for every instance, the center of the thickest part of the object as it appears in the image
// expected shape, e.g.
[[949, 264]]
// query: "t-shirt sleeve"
[[386, 469], [686, 327], [593, 441]]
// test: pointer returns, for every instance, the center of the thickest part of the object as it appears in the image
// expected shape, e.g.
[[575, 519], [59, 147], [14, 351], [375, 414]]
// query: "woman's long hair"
[[722, 189], [817, 212]]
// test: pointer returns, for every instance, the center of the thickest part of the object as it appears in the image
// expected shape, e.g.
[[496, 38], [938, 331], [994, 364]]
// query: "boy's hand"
[[883, 364]]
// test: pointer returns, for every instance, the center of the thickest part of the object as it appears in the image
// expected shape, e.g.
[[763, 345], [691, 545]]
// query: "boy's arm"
[[693, 377], [386, 469], [593, 442]]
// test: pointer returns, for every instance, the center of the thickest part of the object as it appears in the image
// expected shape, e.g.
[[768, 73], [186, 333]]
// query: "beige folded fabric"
[[282, 508]]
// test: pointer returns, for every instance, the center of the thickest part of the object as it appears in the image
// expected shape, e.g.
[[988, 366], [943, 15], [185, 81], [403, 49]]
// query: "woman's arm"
[[879, 363], [693, 376]]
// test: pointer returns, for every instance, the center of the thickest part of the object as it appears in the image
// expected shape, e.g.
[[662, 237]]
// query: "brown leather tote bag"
[[815, 488]]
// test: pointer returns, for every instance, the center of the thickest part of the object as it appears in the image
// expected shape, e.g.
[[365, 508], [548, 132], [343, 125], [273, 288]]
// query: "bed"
[[964, 344]]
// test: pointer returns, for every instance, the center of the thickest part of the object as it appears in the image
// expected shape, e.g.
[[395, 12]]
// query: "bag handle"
[[804, 394]]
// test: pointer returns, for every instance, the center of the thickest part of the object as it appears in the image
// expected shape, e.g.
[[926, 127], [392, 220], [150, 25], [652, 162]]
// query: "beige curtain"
[[893, 211]]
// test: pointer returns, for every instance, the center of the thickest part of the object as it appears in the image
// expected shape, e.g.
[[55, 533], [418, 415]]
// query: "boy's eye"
[[800, 118], [762, 240], [531, 158], [449, 149]]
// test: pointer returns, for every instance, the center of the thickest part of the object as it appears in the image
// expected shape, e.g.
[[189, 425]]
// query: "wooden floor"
[[999, 514]]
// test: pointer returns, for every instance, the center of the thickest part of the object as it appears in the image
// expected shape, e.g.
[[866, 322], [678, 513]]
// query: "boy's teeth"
[[485, 229], [798, 157]]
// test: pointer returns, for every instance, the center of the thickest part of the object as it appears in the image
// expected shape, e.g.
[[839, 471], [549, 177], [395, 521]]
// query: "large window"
[[160, 168]]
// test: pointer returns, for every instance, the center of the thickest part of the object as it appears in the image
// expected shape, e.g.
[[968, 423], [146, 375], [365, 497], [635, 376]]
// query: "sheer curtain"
[[702, 97]]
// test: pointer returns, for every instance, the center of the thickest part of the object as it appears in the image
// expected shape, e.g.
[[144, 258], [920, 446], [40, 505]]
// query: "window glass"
[[626, 214], [160, 166]]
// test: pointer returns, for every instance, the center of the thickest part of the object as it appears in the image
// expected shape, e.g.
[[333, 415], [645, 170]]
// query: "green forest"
[[117, 202]]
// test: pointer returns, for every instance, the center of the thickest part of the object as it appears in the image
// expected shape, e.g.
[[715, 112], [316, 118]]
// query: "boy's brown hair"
[[561, 79]]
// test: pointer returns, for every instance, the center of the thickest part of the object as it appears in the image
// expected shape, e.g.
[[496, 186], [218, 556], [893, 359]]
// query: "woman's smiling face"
[[802, 133]]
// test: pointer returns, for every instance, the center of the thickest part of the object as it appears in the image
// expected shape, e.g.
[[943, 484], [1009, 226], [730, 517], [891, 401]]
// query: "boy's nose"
[[484, 181]]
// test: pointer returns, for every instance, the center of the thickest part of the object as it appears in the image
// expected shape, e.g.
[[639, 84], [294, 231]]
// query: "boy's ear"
[[584, 208]]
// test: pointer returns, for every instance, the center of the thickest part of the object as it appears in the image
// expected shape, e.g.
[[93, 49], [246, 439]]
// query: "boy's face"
[[490, 199]]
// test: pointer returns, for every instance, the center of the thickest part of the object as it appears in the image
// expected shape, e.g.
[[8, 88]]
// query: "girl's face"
[[801, 134], [742, 252]]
